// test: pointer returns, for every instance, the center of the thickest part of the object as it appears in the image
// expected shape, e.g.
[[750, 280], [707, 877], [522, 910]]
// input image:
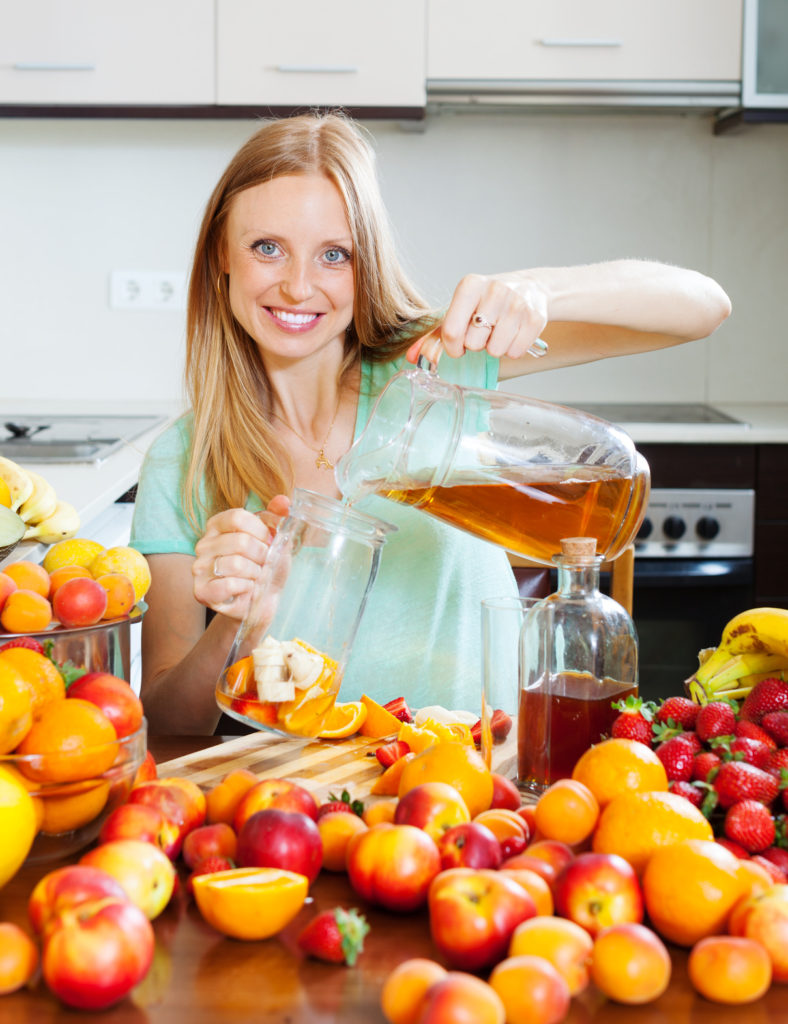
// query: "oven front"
[[694, 571]]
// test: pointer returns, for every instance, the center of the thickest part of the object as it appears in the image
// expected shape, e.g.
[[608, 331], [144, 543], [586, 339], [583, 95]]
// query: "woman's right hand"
[[229, 555]]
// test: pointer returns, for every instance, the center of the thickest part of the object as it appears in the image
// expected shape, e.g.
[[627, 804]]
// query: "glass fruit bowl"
[[90, 784]]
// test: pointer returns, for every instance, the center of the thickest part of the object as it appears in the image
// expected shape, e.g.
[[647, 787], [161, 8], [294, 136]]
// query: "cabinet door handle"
[[609, 43], [50, 66], [316, 69]]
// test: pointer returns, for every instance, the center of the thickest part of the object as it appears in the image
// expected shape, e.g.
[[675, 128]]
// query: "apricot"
[[729, 969], [461, 998], [65, 573], [566, 945], [536, 887], [29, 576], [25, 611], [336, 829], [531, 990], [380, 811], [567, 812], [630, 964], [18, 958], [404, 989], [120, 594], [223, 799], [503, 823], [552, 851]]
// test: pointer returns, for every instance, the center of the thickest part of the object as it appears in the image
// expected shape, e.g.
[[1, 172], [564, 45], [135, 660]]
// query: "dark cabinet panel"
[[701, 465]]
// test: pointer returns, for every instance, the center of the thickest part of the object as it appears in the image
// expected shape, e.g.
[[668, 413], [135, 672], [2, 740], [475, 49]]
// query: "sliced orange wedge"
[[379, 721], [344, 720], [250, 903]]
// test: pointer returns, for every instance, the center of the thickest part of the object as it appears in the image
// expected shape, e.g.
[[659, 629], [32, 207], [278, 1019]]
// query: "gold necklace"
[[321, 462]]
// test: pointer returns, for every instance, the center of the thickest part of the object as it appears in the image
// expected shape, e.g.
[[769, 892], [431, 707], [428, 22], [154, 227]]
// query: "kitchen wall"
[[80, 198]]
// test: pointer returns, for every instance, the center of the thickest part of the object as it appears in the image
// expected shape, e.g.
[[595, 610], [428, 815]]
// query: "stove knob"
[[645, 530], [674, 527], [707, 528]]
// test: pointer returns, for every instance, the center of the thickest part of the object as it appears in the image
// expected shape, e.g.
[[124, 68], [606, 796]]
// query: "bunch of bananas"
[[34, 500], [754, 646]]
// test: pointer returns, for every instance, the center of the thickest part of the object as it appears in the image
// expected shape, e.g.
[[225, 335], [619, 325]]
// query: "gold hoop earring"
[[219, 284]]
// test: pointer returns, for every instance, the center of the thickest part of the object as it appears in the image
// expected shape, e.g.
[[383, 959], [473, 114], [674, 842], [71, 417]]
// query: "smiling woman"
[[299, 313]]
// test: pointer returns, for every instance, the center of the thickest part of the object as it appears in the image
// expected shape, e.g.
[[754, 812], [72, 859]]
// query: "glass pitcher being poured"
[[516, 471]]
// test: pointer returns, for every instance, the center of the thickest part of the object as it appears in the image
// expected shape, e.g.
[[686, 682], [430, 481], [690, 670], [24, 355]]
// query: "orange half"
[[344, 720], [250, 903]]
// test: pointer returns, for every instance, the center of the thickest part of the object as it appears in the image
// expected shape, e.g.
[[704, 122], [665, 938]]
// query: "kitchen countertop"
[[760, 424]]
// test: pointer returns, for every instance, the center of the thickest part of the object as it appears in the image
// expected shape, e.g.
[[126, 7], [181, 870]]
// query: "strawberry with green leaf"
[[336, 936]]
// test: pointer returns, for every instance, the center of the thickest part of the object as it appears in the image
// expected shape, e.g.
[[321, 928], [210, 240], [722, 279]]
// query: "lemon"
[[5, 493], [75, 551], [127, 560], [18, 824]]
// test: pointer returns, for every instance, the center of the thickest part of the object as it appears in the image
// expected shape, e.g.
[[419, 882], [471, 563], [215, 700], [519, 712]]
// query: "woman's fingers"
[[228, 558], [504, 316]]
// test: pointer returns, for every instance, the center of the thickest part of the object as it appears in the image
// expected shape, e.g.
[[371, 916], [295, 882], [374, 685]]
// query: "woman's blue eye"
[[266, 248], [336, 255]]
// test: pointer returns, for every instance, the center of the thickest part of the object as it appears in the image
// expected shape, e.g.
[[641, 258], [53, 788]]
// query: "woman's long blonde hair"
[[234, 449]]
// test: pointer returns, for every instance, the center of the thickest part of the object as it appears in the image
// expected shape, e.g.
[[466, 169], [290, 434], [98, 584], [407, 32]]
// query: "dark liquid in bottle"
[[560, 721]]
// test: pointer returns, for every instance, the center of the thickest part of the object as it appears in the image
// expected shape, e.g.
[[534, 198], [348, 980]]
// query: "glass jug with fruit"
[[578, 656], [285, 667], [519, 472]]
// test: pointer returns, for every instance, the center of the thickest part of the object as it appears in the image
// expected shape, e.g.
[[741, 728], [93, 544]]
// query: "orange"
[[567, 811], [630, 964], [730, 969], [29, 576], [690, 888], [16, 706], [81, 803], [419, 737], [18, 824], [634, 825], [458, 764], [250, 903], [25, 611], [238, 675], [120, 594], [336, 829], [18, 958], [71, 739], [755, 877], [618, 766], [221, 801], [387, 784], [64, 574], [42, 675], [344, 720], [379, 721], [404, 989]]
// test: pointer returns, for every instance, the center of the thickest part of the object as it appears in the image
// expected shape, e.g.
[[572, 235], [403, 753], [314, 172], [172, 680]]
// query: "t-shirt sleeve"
[[159, 525]]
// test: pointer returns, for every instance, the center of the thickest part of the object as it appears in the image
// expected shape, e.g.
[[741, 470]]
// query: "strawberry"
[[778, 759], [735, 848], [336, 936], [717, 718], [500, 725], [755, 732], [680, 711], [775, 724], [777, 855], [399, 709], [779, 877], [768, 695], [737, 780], [754, 751], [749, 823], [687, 790], [341, 803], [677, 756], [391, 752], [633, 721], [28, 642], [703, 763]]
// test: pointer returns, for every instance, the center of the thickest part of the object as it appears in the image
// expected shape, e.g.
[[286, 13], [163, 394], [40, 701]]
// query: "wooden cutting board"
[[321, 766]]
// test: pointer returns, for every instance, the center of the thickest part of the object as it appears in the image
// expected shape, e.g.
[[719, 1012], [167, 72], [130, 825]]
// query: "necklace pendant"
[[322, 462]]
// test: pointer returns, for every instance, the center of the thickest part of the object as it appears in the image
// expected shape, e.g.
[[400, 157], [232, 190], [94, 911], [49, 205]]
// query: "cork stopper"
[[579, 548]]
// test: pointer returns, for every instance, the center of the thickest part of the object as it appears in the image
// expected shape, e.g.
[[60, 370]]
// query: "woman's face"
[[289, 256]]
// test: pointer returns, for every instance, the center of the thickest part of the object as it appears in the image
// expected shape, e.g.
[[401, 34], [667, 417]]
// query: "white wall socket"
[[147, 289]]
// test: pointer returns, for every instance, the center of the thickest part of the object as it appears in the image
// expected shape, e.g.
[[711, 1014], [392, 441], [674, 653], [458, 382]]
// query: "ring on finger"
[[216, 573], [479, 320]]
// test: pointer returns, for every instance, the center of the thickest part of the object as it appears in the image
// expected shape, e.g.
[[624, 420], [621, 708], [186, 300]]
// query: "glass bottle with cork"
[[578, 656]]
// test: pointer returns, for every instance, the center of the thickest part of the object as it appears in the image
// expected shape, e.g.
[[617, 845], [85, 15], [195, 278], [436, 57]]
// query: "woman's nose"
[[296, 281]]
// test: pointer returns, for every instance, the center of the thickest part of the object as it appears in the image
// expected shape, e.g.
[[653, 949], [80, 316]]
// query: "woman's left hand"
[[504, 314]]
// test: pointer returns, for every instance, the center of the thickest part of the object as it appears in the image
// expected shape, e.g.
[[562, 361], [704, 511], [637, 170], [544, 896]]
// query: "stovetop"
[[658, 412]]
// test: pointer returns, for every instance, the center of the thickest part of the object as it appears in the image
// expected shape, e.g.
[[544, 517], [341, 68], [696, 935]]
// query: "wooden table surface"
[[200, 977]]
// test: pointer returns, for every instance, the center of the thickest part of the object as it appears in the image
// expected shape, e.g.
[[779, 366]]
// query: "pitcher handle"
[[430, 353]]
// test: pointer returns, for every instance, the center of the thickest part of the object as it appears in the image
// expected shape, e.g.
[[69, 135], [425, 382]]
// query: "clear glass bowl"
[[72, 812]]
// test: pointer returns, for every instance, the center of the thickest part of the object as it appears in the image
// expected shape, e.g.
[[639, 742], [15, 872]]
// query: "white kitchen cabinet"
[[352, 53], [105, 52], [574, 46]]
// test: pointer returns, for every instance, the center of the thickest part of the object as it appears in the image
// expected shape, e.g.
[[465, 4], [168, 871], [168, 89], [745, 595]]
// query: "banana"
[[41, 503], [19, 482], [62, 524], [747, 682], [758, 630], [730, 673]]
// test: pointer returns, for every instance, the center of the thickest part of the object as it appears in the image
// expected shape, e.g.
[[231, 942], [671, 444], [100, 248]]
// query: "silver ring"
[[481, 321], [538, 349], [216, 574]]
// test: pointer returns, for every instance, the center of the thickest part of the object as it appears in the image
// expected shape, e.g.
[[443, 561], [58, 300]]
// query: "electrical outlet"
[[147, 289]]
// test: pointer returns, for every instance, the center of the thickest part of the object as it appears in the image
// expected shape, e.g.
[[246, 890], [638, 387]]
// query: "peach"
[[223, 799], [729, 969], [217, 840], [535, 864], [7, 586], [145, 822], [566, 945], [553, 851], [404, 989], [18, 958], [434, 807], [275, 794], [505, 793], [380, 811], [536, 887], [145, 872], [764, 918], [630, 964], [460, 998], [531, 990]]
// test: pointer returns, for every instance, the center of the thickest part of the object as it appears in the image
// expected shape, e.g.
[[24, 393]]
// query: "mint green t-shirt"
[[420, 635]]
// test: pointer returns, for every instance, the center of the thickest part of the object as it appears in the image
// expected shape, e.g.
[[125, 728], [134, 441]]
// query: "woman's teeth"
[[296, 319]]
